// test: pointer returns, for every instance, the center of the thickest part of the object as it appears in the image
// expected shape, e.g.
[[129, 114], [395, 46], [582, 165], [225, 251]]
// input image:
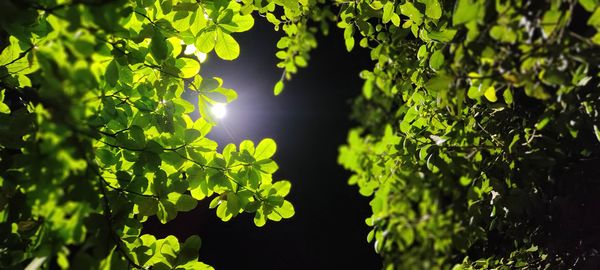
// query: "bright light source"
[[219, 110], [189, 49], [201, 56]]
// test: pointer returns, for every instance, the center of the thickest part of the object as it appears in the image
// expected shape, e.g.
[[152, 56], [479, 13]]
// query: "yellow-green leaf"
[[188, 67], [433, 9], [278, 88], [265, 149], [490, 94], [3, 107], [226, 47], [205, 42]]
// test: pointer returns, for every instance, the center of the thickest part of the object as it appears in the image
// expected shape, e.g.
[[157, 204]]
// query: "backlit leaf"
[[265, 149], [465, 11], [158, 46], [226, 47], [188, 67], [278, 88]]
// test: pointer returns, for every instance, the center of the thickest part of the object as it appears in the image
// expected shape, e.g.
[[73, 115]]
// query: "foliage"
[[95, 137], [477, 142], [479, 131]]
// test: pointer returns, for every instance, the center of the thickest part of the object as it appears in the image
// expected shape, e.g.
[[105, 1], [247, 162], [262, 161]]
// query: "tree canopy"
[[96, 137], [477, 139], [479, 134]]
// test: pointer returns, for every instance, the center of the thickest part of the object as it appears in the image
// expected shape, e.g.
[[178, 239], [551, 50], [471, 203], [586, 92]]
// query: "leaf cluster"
[[473, 121], [96, 137]]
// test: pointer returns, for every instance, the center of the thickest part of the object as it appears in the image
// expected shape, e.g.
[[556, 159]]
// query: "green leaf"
[[139, 183], [433, 9], [594, 19], [205, 42], [252, 207], [550, 21], [533, 248], [465, 181], [273, 19], [168, 249], [189, 250], [474, 92], [409, 10], [247, 145], [228, 152], [253, 177], [226, 47], [395, 20], [439, 83], [367, 89], [199, 187], [445, 35], [106, 156], [278, 87], [229, 94], [589, 5], [123, 178], [286, 210], [465, 11], [507, 95], [504, 34], [233, 204], [198, 21], [259, 218], [490, 94], [376, 5], [388, 10], [223, 213], [191, 135], [9, 53], [147, 206], [215, 202], [422, 52], [265, 149], [137, 135], [283, 187], [408, 235], [112, 73], [370, 235], [348, 37], [437, 60], [188, 67], [267, 166], [209, 84], [239, 23], [158, 46], [166, 211], [3, 107], [182, 202]]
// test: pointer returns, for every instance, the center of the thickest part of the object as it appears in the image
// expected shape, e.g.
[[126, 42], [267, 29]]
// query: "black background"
[[309, 121]]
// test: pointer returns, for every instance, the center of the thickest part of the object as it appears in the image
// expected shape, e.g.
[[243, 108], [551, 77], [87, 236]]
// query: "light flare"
[[219, 110]]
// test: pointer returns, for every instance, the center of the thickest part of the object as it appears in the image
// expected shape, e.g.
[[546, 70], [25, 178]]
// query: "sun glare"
[[189, 49], [219, 110]]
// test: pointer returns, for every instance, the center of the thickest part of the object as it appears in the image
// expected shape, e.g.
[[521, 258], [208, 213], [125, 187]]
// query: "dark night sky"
[[309, 121]]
